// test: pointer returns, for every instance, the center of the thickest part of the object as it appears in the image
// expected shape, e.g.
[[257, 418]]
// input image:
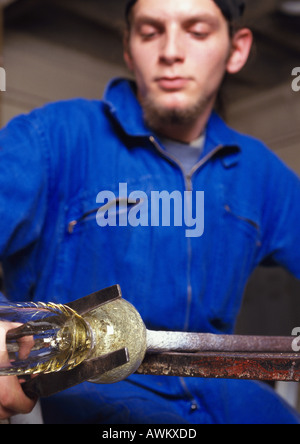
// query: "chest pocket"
[[236, 247]]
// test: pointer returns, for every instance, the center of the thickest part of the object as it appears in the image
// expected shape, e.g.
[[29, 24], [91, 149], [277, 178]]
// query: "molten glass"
[[43, 338]]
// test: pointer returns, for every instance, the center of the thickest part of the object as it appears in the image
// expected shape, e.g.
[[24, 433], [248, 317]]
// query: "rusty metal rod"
[[162, 341], [254, 366]]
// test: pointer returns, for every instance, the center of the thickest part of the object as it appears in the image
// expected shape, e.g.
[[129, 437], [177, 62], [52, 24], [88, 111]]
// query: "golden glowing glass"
[[44, 338]]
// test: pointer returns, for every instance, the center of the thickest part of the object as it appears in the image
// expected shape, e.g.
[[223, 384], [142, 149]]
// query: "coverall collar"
[[120, 97]]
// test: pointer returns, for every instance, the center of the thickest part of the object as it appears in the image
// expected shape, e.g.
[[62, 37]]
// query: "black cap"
[[231, 9]]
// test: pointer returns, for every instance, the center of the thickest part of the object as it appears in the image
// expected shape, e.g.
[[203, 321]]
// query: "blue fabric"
[[218, 402], [53, 164]]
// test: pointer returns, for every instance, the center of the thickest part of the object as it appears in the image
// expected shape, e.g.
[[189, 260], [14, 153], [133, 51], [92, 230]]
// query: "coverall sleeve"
[[282, 218], [23, 186]]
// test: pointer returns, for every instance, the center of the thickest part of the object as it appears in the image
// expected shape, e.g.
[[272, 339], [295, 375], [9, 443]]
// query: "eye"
[[148, 32], [199, 35], [199, 31], [149, 35]]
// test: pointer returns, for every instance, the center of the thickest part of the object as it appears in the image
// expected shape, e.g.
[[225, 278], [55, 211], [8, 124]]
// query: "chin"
[[173, 103]]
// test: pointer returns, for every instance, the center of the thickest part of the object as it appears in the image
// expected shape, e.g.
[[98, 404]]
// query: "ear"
[[126, 51], [241, 47]]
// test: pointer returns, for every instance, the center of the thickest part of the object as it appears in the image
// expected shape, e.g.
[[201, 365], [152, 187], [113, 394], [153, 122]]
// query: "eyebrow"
[[211, 20], [188, 21], [142, 20]]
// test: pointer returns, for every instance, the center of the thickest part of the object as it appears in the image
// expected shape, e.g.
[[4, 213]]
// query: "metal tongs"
[[181, 354]]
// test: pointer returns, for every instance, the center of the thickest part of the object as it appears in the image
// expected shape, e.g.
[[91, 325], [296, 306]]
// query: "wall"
[[39, 71], [271, 304]]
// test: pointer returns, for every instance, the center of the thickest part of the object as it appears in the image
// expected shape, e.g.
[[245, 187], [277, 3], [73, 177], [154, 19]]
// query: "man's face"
[[178, 51]]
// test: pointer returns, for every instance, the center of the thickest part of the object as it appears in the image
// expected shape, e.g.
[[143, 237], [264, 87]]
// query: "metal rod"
[[162, 341], [256, 366]]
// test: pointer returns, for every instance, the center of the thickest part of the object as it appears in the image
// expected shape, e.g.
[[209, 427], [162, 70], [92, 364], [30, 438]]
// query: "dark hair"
[[129, 6]]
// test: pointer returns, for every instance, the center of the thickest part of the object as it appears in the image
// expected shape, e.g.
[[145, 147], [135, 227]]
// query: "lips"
[[172, 83]]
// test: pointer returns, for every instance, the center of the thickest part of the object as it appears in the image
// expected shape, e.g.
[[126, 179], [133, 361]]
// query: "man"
[[157, 134]]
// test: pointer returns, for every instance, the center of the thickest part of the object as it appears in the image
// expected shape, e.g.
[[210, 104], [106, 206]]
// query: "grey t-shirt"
[[187, 154]]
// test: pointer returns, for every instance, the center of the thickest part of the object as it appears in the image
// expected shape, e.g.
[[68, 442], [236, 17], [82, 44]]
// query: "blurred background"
[[53, 50]]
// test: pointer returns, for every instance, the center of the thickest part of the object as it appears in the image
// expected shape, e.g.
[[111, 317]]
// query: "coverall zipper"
[[188, 187]]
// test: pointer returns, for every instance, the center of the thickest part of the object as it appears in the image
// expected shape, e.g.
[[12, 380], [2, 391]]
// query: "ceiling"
[[81, 23]]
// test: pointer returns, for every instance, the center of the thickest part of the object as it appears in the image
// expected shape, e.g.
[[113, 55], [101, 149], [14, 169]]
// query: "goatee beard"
[[158, 117]]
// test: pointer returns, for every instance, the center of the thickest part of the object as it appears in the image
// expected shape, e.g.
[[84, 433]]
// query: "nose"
[[172, 48]]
